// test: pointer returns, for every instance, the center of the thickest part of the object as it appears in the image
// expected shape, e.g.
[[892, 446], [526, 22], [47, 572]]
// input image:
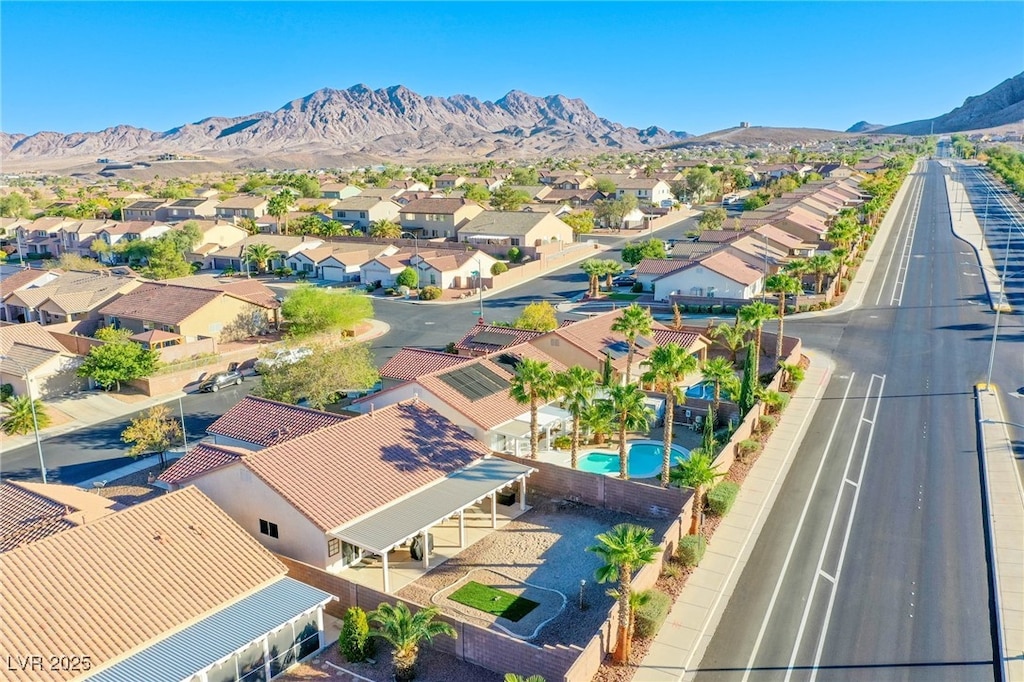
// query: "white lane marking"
[[834, 516], [908, 245], [826, 576], [892, 254], [796, 534]]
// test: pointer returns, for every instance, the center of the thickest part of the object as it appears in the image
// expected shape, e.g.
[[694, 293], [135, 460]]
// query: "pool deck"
[[681, 438]]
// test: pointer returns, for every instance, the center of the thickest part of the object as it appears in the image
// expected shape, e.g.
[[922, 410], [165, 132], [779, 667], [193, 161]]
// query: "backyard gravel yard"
[[545, 547]]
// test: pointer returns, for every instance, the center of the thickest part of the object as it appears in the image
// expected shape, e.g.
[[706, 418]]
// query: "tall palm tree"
[[633, 323], [733, 336], [385, 229], [594, 268], [631, 414], [279, 206], [260, 255], [611, 268], [755, 314], [820, 264], [533, 384], [598, 419], [18, 419], [668, 365], [624, 549], [781, 285], [577, 385], [697, 472], [718, 371], [797, 268], [405, 631]]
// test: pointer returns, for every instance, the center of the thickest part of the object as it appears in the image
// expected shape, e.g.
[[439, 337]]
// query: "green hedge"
[[691, 549], [722, 497], [651, 615]]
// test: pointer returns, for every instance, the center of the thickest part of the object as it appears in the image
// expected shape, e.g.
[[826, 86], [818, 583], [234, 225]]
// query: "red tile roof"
[[411, 363], [200, 459], [437, 205], [515, 337], [267, 422], [658, 266]]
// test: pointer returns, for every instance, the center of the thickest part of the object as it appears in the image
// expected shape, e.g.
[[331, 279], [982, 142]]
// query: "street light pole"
[[184, 431], [32, 407], [999, 308]]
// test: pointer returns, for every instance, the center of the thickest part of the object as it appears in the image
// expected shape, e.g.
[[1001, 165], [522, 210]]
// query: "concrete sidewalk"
[[87, 408], [966, 227], [1004, 501], [682, 640]]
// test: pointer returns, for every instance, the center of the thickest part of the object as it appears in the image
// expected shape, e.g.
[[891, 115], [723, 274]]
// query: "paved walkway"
[[967, 228], [93, 407], [681, 642]]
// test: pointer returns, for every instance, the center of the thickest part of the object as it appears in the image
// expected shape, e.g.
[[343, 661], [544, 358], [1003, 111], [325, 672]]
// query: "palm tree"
[[733, 336], [697, 472], [577, 386], [668, 364], [19, 419], [385, 229], [755, 314], [533, 384], [594, 268], [820, 264], [790, 373], [797, 268], [781, 285], [260, 255], [624, 549], [513, 677], [718, 371], [598, 419], [404, 631], [631, 413], [279, 205], [633, 323], [611, 268]]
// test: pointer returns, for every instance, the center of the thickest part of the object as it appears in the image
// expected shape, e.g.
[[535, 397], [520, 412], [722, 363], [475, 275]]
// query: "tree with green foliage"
[[385, 229], [577, 387], [309, 310], [166, 261], [718, 371], [408, 277], [508, 198], [524, 176], [740, 179], [354, 639], [754, 202], [667, 366], [698, 472], [702, 184], [279, 206], [14, 205], [116, 362], [712, 219], [20, 419], [249, 225], [754, 315], [513, 677], [260, 255], [613, 211], [633, 322], [732, 336], [821, 264], [498, 268], [631, 413], [605, 186], [406, 631], [750, 384], [623, 550], [634, 252], [476, 192], [598, 420], [154, 431], [321, 376], [533, 384], [538, 316], [581, 222], [593, 267], [781, 285]]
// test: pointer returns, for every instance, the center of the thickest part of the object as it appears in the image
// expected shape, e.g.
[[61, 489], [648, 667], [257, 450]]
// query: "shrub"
[[408, 278], [766, 423], [652, 614], [638, 287], [6, 392], [228, 271], [390, 291], [514, 254], [671, 569], [691, 549], [844, 284], [283, 272], [430, 293], [498, 268], [354, 640], [746, 448], [722, 497], [562, 442]]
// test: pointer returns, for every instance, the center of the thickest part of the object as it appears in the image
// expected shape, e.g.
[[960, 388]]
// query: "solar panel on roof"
[[641, 342], [494, 338], [619, 349], [474, 382]]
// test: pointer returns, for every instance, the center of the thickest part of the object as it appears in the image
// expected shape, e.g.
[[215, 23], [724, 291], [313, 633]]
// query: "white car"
[[284, 356]]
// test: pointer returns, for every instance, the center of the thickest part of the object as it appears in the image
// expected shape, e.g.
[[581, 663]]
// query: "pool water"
[[706, 391], [644, 460]]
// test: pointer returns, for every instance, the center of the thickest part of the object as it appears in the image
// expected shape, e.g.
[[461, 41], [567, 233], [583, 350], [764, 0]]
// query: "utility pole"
[[999, 308]]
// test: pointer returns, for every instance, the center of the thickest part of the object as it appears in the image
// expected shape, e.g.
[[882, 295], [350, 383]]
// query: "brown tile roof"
[[161, 303], [76, 292], [496, 338], [395, 450], [28, 334], [411, 363], [19, 279], [154, 335], [32, 511], [658, 266], [439, 206], [268, 422], [732, 267], [113, 585], [779, 236], [719, 236], [242, 201], [200, 459]]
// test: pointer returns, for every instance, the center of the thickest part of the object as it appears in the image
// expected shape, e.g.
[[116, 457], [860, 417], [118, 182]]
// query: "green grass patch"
[[493, 601], [618, 296]]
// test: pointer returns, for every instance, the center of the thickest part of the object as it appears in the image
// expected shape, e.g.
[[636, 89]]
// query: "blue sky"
[[696, 67]]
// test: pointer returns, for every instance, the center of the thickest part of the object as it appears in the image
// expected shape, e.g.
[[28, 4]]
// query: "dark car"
[[624, 281], [217, 381]]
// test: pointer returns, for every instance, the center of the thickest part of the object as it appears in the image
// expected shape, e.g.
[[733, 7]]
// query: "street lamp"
[[415, 242], [32, 406], [999, 309], [998, 421]]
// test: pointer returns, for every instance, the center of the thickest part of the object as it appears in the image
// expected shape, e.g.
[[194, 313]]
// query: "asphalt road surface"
[[89, 452], [872, 564]]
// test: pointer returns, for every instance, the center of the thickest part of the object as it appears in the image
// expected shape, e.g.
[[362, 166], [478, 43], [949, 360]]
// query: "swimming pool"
[[706, 391], [644, 460]]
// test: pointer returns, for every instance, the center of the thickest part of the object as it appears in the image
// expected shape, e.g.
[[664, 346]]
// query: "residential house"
[[77, 237], [720, 275], [438, 217], [355, 488], [35, 363], [409, 185], [284, 247], [242, 206], [150, 210], [686, 251], [227, 609], [497, 231], [448, 180], [69, 297], [410, 363], [648, 191], [192, 208], [484, 339], [574, 197], [225, 313], [256, 423], [338, 190], [40, 238], [33, 511], [336, 262], [216, 235], [360, 211], [113, 233], [784, 241], [535, 192], [451, 269], [572, 182], [24, 278], [650, 269], [380, 192]]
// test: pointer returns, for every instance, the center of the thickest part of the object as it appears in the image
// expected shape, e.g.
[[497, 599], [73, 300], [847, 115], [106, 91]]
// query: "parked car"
[[624, 281], [215, 382], [284, 356]]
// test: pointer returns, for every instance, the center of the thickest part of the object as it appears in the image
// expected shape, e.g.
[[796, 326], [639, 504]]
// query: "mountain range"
[[392, 123], [1002, 105]]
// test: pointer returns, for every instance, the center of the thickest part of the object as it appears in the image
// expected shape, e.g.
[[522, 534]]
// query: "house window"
[[147, 326], [268, 528], [432, 280], [333, 546], [362, 214], [515, 241]]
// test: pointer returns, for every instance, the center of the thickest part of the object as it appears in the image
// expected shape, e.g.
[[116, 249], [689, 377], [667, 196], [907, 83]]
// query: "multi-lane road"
[[872, 564]]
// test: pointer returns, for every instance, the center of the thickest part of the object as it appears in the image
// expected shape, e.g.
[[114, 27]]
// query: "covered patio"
[[412, 519], [514, 435]]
